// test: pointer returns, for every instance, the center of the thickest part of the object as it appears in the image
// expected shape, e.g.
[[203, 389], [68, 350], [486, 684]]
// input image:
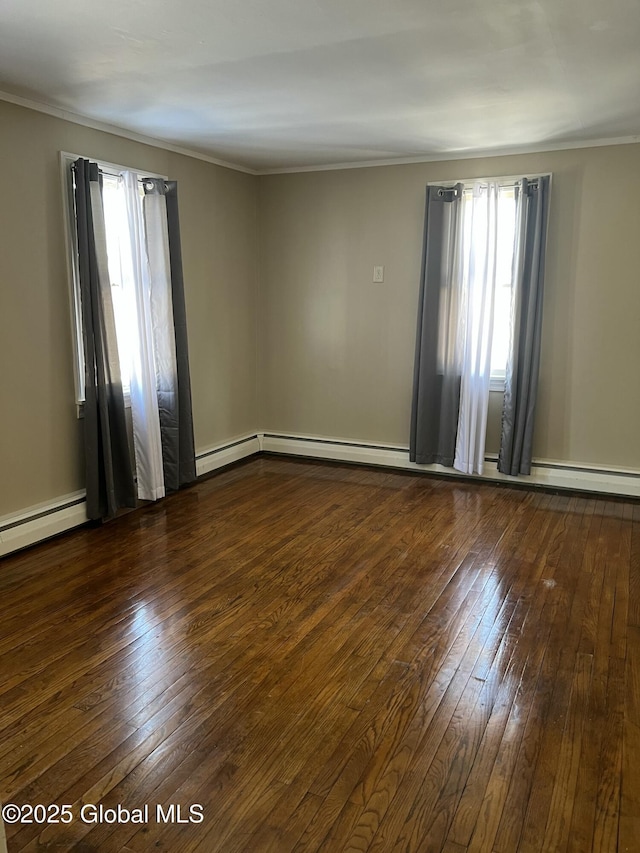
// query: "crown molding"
[[454, 156], [85, 121], [451, 156]]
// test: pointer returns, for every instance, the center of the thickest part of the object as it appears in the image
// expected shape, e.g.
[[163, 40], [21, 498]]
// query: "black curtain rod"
[[141, 179], [530, 185]]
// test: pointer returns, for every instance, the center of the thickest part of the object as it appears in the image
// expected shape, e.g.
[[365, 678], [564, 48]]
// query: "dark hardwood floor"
[[329, 658]]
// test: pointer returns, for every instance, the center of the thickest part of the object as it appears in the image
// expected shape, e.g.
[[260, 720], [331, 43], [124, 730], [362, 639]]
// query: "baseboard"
[[41, 522], [219, 455], [545, 473]]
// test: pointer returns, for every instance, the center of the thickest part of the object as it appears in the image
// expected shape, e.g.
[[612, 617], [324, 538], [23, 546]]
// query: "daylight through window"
[[475, 227], [120, 266]]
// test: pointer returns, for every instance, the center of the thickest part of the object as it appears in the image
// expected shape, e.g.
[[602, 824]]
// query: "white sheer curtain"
[[137, 294], [480, 252]]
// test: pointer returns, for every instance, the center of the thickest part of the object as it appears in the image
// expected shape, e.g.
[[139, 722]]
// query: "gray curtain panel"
[[109, 469], [521, 384], [176, 418], [439, 347]]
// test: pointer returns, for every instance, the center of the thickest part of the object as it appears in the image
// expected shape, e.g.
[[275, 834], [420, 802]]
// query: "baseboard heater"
[[545, 473], [46, 520], [43, 521]]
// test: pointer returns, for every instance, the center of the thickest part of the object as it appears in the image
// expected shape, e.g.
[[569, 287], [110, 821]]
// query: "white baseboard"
[[546, 473], [45, 520], [41, 522], [219, 455]]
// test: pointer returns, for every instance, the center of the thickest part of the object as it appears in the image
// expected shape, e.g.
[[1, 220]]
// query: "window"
[[475, 227], [126, 273], [120, 272], [480, 306], [120, 263]]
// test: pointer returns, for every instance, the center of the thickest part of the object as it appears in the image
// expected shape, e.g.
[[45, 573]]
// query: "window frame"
[[67, 159]]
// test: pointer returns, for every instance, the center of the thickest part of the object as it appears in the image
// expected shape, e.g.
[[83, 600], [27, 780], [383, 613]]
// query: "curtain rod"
[[68, 158], [532, 183], [501, 179], [141, 176], [141, 179]]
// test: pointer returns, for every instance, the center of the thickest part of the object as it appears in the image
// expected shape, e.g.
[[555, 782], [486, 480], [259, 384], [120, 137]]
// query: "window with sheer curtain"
[[131, 334], [476, 222], [479, 320]]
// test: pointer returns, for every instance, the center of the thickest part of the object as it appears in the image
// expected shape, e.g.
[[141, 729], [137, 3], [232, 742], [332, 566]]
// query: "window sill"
[[496, 384], [80, 405]]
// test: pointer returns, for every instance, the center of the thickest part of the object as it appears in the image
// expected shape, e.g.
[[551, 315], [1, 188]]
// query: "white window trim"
[[71, 243]]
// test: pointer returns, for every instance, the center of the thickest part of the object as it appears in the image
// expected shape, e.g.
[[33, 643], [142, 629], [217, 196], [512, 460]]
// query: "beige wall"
[[336, 350], [40, 436]]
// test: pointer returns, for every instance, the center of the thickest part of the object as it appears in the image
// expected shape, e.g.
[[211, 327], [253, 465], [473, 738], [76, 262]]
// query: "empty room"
[[319, 447]]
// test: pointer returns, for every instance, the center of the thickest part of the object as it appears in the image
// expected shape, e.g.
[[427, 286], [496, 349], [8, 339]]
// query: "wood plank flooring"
[[328, 658]]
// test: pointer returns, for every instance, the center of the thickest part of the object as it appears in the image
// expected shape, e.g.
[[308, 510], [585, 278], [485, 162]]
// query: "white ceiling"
[[279, 83]]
